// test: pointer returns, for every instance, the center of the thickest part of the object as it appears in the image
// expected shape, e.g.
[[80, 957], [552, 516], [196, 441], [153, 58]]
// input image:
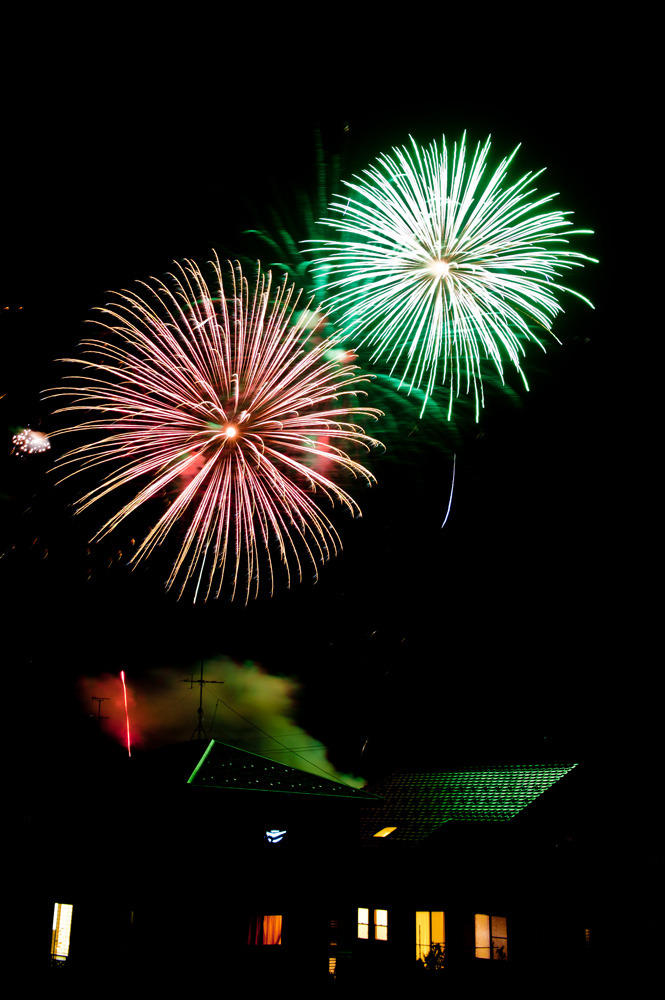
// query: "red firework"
[[216, 394]]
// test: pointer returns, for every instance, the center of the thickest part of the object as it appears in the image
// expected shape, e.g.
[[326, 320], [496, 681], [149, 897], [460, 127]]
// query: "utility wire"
[[290, 749]]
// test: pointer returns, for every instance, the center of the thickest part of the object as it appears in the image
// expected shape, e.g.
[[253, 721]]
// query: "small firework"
[[29, 442], [439, 269], [213, 402]]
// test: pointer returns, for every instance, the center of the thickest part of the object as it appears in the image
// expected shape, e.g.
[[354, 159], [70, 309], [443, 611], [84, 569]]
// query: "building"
[[203, 861]]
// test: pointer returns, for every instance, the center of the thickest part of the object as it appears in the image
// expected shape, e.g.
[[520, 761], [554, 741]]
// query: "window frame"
[[61, 931], [494, 944], [259, 929], [433, 934], [379, 924]]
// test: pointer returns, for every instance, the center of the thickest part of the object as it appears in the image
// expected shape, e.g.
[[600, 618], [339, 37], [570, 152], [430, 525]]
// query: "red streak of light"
[[124, 688]]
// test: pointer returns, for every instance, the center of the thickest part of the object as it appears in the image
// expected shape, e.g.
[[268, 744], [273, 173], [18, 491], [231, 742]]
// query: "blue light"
[[274, 836]]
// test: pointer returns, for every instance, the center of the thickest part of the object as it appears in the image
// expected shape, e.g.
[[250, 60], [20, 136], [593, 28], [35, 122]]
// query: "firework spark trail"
[[124, 689], [211, 392], [450, 499], [439, 270]]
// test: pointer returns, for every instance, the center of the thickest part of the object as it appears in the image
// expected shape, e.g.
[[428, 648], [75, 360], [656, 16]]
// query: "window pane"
[[62, 923], [499, 927], [363, 922], [265, 929], [422, 934], [438, 927], [482, 923], [499, 938], [272, 929], [381, 925]]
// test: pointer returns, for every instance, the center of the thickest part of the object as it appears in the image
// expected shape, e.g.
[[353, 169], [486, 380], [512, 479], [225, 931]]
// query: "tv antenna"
[[199, 733], [99, 716]]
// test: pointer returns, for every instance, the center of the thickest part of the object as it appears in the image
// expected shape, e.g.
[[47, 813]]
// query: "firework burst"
[[212, 400], [29, 442], [441, 269]]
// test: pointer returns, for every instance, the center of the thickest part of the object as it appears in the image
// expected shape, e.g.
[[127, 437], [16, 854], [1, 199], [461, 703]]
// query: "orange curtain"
[[272, 929], [265, 929]]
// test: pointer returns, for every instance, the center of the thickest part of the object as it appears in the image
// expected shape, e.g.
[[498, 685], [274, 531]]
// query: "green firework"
[[440, 269]]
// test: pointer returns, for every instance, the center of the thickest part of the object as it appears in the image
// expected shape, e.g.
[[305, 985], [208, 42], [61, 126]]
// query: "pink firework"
[[212, 398]]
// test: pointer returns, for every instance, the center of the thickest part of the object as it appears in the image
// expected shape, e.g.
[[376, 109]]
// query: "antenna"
[[99, 711], [199, 732]]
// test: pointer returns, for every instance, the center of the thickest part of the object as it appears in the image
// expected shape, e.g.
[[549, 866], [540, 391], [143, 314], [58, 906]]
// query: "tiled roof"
[[224, 766], [418, 803]]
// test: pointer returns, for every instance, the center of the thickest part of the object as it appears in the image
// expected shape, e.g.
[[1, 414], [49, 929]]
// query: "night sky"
[[512, 632]]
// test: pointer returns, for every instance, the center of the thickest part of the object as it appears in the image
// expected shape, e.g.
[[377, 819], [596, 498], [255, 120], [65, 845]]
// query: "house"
[[203, 861]]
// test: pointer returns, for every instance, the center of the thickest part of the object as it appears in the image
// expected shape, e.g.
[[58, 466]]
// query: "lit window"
[[265, 929], [430, 937], [62, 923], [385, 831], [381, 925], [491, 937]]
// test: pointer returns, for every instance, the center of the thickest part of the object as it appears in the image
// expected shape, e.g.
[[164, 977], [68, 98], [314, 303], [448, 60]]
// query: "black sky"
[[515, 631]]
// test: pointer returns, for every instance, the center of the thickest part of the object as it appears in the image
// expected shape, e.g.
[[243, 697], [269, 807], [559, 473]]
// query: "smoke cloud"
[[242, 705]]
